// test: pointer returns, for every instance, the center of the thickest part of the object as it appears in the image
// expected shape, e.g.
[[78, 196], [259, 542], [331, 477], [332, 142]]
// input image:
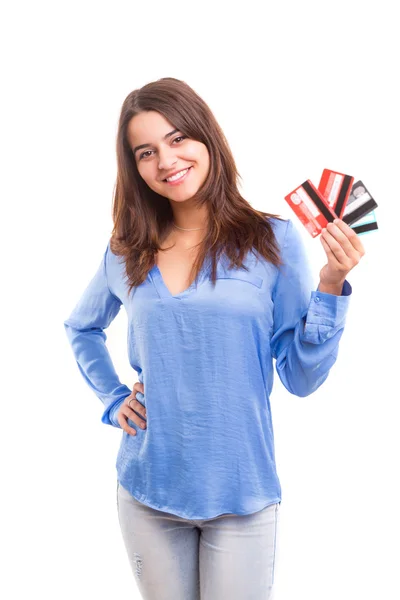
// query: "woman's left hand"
[[344, 251]]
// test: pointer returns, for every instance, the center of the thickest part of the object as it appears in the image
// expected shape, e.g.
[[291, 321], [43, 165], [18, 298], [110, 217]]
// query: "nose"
[[166, 158]]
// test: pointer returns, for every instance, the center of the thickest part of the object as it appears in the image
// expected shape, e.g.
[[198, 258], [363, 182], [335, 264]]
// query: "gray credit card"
[[359, 204]]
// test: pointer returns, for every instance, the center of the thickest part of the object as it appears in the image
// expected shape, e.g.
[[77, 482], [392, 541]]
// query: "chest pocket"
[[240, 274]]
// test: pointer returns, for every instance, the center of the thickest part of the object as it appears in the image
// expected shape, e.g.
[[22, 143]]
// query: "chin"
[[182, 199]]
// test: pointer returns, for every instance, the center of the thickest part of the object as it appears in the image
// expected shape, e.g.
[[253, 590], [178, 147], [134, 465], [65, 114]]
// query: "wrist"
[[331, 288]]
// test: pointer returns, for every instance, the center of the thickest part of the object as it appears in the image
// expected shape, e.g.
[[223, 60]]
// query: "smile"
[[178, 177]]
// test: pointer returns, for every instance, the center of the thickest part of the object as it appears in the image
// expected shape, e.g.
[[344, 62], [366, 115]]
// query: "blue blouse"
[[205, 357]]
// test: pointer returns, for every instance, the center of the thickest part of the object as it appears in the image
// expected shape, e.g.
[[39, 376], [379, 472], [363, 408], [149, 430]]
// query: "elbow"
[[71, 331], [302, 384], [301, 391], [67, 328], [68, 324], [303, 378]]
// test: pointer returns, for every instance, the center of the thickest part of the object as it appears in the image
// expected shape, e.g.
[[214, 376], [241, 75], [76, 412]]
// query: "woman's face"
[[167, 151]]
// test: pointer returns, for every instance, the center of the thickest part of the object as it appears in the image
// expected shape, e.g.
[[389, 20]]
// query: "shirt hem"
[[143, 500]]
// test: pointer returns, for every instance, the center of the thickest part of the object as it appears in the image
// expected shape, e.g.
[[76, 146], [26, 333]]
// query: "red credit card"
[[310, 207], [335, 188]]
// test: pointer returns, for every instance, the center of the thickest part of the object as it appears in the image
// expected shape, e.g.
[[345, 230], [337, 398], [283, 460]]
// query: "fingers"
[[329, 253], [335, 250], [342, 243], [138, 387], [122, 420], [132, 409], [351, 235], [346, 237], [136, 407]]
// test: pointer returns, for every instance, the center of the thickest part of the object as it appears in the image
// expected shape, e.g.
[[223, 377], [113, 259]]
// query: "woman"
[[214, 291]]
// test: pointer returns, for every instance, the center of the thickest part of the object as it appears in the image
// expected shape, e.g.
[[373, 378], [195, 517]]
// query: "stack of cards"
[[337, 196]]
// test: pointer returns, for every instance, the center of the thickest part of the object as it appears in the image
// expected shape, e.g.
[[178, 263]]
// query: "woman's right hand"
[[127, 411]]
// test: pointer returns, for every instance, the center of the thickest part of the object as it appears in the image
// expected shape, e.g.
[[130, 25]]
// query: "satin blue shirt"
[[206, 357]]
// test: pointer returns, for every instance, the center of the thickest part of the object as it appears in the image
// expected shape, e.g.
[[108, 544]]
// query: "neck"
[[188, 228], [189, 218]]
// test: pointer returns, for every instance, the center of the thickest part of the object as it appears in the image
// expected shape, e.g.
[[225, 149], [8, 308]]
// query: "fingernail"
[[336, 221]]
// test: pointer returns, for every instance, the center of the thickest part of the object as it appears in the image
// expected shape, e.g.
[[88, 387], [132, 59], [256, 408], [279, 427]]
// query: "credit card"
[[335, 188], [359, 204], [366, 224], [310, 207]]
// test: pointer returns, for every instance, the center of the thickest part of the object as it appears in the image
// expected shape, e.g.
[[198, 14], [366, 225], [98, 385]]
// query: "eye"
[[180, 137], [143, 153]]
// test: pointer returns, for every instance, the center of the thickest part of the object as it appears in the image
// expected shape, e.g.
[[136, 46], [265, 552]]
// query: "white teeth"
[[178, 175]]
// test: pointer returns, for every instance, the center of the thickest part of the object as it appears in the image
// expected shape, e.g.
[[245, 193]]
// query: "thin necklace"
[[183, 229]]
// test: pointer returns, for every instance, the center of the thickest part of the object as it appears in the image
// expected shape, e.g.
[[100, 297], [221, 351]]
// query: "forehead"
[[147, 127]]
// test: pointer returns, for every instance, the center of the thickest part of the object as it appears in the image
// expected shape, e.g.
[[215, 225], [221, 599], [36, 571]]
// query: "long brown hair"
[[142, 217]]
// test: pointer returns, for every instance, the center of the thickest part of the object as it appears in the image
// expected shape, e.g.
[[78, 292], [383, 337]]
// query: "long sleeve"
[[85, 326], [308, 324]]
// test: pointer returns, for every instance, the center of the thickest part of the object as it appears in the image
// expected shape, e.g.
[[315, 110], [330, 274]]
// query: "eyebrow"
[[147, 145]]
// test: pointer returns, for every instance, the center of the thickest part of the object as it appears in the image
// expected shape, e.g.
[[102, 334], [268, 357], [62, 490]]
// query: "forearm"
[[96, 367], [304, 366], [306, 354]]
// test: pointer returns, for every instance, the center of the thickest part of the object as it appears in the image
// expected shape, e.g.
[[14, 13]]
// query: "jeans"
[[172, 558]]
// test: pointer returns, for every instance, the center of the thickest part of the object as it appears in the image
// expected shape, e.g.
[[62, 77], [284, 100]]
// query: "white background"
[[296, 87]]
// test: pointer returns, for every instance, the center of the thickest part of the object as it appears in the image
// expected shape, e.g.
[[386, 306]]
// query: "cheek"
[[201, 157], [145, 173], [205, 160], [195, 151]]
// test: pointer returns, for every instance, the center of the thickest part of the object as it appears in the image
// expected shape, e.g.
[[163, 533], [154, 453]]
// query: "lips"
[[172, 174]]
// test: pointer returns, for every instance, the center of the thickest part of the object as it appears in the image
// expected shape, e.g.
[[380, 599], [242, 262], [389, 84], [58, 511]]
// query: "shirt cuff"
[[114, 413], [109, 416], [346, 289], [326, 315]]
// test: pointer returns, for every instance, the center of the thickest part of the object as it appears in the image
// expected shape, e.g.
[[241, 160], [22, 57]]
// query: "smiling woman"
[[172, 156], [215, 291], [166, 128]]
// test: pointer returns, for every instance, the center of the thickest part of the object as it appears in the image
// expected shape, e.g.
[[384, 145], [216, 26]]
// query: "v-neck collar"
[[205, 271], [161, 287]]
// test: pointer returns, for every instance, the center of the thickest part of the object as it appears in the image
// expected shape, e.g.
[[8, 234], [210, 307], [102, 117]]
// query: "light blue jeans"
[[172, 558]]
